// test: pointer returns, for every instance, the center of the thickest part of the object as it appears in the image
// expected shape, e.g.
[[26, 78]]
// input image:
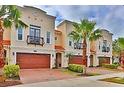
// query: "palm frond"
[[95, 35], [11, 15]]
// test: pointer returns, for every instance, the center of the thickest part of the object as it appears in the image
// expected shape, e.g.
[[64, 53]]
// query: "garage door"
[[75, 60], [104, 60], [30, 61]]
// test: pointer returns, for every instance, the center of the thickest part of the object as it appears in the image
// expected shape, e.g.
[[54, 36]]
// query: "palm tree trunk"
[[1, 46], [84, 56]]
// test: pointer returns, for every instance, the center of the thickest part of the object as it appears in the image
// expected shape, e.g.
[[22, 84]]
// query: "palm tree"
[[9, 15], [85, 31]]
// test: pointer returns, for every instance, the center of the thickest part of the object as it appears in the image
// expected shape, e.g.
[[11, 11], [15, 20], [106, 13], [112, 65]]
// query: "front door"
[[58, 60], [91, 60]]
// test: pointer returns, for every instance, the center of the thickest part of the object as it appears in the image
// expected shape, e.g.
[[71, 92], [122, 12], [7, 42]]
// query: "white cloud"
[[108, 17]]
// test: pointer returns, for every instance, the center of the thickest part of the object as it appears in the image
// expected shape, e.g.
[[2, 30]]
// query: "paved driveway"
[[40, 75], [77, 82]]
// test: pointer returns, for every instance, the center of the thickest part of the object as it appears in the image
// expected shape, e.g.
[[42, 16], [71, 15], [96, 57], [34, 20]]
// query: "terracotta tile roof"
[[92, 51], [6, 42], [59, 48], [58, 32]]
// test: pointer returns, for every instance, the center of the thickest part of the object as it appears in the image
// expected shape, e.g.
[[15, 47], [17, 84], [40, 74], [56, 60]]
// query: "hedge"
[[111, 66], [75, 68]]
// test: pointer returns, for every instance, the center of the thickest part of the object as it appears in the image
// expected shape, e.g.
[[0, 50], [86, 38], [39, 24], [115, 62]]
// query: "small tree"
[[85, 31], [9, 15]]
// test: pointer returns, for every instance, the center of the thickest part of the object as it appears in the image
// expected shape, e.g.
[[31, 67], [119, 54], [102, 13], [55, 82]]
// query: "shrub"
[[11, 71], [75, 68], [111, 66]]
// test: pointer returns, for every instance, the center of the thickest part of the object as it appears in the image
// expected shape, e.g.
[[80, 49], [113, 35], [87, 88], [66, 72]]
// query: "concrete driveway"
[[78, 82], [41, 75]]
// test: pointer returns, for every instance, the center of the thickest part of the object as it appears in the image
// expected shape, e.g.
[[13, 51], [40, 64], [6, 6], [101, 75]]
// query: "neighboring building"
[[32, 47], [40, 46], [98, 52]]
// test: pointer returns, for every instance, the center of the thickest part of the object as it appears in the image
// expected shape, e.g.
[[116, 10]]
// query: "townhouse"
[[41, 46], [98, 52], [31, 47]]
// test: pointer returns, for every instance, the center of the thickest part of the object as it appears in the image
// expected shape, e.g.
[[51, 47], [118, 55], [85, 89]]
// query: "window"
[[48, 38], [70, 43], [34, 34], [20, 33], [99, 45], [34, 31], [105, 48], [55, 38]]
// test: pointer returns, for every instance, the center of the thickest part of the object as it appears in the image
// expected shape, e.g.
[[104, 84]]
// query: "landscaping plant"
[[75, 68], [11, 71], [111, 66]]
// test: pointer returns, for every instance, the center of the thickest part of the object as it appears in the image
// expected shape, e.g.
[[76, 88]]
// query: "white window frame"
[[46, 37], [22, 35]]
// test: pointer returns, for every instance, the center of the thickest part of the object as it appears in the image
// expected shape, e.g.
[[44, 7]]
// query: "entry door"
[[58, 60], [91, 60]]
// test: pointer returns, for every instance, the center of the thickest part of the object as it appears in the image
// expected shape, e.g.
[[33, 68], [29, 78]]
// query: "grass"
[[118, 80], [78, 74]]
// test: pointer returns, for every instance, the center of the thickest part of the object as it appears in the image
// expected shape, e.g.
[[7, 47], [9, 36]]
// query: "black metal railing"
[[78, 46], [105, 49], [35, 40]]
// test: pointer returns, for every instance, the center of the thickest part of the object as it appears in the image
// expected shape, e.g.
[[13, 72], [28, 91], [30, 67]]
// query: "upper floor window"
[[55, 38], [70, 43], [48, 36], [20, 33], [34, 31], [105, 43], [99, 45], [105, 47]]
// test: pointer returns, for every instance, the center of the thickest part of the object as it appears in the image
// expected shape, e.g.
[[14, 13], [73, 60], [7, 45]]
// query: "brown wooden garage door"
[[104, 60], [31, 61], [75, 60]]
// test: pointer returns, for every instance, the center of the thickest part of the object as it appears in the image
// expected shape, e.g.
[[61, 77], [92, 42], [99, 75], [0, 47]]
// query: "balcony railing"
[[35, 40], [105, 49], [78, 46]]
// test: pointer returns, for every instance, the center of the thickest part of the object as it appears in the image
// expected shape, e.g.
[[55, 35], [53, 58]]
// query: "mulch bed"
[[10, 83]]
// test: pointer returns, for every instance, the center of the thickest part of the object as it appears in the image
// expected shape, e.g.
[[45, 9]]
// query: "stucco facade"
[[92, 47], [58, 45], [37, 17]]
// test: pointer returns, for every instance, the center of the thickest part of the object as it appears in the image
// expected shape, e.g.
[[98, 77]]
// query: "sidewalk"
[[78, 82]]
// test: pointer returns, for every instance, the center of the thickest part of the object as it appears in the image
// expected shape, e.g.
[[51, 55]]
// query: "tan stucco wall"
[[66, 27], [35, 17], [58, 42]]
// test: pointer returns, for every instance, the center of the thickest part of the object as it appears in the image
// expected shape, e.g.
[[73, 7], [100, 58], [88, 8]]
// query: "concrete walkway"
[[121, 74], [79, 82]]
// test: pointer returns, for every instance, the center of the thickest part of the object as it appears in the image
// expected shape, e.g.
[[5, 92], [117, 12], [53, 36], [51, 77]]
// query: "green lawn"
[[78, 74], [118, 80]]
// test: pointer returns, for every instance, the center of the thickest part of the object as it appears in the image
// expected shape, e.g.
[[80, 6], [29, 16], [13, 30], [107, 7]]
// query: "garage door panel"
[[76, 60], [104, 60], [29, 61]]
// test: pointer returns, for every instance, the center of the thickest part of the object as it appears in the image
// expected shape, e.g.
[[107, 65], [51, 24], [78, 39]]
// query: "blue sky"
[[108, 17]]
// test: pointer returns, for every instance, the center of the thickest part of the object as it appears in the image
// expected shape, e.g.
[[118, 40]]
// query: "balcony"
[[78, 46], [105, 49], [35, 40]]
